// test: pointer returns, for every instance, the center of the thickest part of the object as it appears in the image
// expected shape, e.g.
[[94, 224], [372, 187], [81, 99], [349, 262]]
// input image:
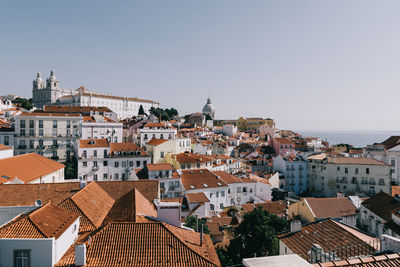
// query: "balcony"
[[22, 147], [372, 182], [381, 183]]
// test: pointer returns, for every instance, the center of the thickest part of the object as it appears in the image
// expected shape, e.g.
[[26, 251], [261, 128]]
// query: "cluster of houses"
[[136, 178]]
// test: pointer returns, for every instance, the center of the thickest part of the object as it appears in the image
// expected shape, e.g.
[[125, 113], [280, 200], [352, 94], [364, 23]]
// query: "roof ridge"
[[183, 243]]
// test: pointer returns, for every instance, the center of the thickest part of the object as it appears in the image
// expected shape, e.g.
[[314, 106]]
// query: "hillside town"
[[91, 179]]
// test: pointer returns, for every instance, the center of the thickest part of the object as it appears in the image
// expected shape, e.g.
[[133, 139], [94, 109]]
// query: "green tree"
[[23, 103], [71, 168], [191, 223], [141, 110], [256, 236]]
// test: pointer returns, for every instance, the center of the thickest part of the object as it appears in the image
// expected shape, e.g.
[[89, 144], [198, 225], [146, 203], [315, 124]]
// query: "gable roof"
[[156, 142], [382, 205], [45, 222], [35, 166], [92, 143], [126, 147], [159, 167], [197, 197], [391, 142], [331, 207], [227, 178], [198, 179], [330, 235], [146, 244], [192, 158], [27, 194]]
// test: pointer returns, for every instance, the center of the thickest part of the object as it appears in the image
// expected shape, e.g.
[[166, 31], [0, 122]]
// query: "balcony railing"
[[22, 147]]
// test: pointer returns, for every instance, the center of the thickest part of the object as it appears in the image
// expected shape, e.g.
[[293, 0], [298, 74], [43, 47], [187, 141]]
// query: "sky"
[[310, 65]]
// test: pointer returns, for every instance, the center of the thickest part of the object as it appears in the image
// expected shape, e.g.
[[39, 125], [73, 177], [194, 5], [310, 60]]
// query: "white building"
[[99, 160], [6, 135], [169, 178], [99, 127], [160, 148], [156, 131], [328, 176], [204, 181], [229, 129], [244, 190], [50, 93], [30, 168], [6, 151], [389, 152], [48, 134], [35, 240]]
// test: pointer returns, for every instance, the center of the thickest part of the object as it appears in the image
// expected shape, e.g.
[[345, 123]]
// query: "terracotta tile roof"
[[192, 158], [215, 228], [198, 179], [94, 202], [227, 178], [331, 207], [391, 142], [45, 222], [75, 109], [27, 194], [330, 235], [3, 147], [126, 147], [197, 197], [284, 140], [385, 260], [152, 124], [116, 189], [382, 205], [156, 142], [35, 166], [276, 207], [356, 161], [92, 143], [129, 207], [93, 119], [159, 167], [146, 244], [173, 199], [85, 224], [223, 221]]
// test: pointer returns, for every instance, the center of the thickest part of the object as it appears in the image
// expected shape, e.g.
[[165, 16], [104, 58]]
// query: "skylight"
[[192, 186], [219, 184], [205, 185]]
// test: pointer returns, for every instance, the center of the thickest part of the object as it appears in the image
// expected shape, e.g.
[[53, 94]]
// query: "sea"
[[355, 138]]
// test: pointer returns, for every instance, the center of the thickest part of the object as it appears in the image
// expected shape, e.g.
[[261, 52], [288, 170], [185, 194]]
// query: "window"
[[31, 124], [130, 163], [105, 163], [137, 163], [94, 163], [95, 153], [367, 170], [338, 169], [22, 258], [238, 189], [116, 176], [22, 124], [116, 164], [41, 142], [6, 140], [162, 185], [54, 124], [221, 206], [95, 177], [40, 124], [346, 170], [217, 194], [198, 165], [105, 176], [84, 164], [22, 132], [229, 190], [55, 143], [162, 154], [356, 171], [222, 193], [115, 139], [54, 132], [40, 132], [244, 189], [31, 143], [124, 164], [211, 195]]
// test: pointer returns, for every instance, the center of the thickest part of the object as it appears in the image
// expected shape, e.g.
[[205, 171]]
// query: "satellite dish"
[[38, 203]]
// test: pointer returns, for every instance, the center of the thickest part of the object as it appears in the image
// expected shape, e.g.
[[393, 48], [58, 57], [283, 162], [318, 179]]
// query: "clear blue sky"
[[316, 65]]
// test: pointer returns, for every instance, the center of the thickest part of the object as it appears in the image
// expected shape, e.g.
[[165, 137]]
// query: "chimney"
[[316, 253], [80, 255], [295, 226]]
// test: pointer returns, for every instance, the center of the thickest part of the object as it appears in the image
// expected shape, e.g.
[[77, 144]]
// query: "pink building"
[[282, 145]]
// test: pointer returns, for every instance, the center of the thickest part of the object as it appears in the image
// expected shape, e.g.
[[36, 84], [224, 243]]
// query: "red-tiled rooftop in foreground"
[[146, 244], [331, 207]]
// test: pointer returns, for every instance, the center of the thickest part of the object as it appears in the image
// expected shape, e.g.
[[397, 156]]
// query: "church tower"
[[51, 82]]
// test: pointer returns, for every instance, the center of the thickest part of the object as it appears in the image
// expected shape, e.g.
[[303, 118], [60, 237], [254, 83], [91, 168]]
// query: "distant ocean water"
[[355, 138]]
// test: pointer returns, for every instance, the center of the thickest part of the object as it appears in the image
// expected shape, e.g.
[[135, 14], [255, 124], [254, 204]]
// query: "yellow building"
[[253, 124]]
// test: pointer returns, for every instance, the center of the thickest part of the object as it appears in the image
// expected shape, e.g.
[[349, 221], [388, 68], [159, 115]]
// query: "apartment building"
[[160, 148], [99, 160], [294, 167], [328, 176], [156, 131], [48, 134], [99, 127], [169, 178], [189, 161]]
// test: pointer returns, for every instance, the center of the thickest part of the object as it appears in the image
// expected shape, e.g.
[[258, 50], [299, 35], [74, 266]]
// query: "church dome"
[[209, 109]]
